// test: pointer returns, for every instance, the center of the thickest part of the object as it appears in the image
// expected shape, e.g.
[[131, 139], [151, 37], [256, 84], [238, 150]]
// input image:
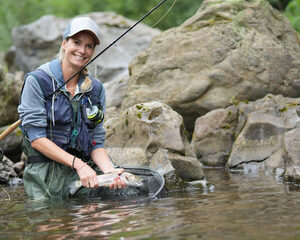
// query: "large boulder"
[[228, 49], [152, 134], [40, 41], [10, 89], [264, 133]]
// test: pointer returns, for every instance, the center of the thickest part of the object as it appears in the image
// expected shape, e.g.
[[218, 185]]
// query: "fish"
[[105, 180]]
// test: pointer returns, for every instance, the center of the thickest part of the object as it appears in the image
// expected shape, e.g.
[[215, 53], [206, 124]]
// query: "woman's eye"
[[90, 46]]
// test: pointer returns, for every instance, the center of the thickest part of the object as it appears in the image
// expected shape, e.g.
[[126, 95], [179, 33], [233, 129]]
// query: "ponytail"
[[87, 83]]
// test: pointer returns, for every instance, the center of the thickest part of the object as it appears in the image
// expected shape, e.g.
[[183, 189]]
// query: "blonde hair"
[[87, 83]]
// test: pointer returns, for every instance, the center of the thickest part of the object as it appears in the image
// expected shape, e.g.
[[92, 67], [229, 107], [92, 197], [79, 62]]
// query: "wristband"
[[73, 162], [81, 166]]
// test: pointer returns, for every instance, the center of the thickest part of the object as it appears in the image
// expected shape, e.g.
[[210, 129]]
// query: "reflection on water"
[[242, 206]]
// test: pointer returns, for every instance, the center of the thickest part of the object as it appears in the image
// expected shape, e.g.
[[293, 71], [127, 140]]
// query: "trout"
[[105, 180]]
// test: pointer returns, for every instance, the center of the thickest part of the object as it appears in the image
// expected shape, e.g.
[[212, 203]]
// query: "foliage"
[[27, 11], [17, 13], [293, 14]]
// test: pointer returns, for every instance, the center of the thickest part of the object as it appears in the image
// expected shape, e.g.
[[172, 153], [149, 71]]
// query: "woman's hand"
[[101, 158], [118, 183], [87, 176]]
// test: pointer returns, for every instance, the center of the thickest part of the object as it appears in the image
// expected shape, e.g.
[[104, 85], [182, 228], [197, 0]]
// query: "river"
[[241, 206]]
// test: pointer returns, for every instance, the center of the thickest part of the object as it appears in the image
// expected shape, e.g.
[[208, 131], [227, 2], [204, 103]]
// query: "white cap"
[[82, 24]]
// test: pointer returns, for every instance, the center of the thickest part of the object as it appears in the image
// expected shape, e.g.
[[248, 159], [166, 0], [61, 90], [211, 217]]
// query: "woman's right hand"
[[87, 176]]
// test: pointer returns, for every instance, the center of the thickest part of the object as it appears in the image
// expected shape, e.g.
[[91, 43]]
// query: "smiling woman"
[[61, 142], [79, 41]]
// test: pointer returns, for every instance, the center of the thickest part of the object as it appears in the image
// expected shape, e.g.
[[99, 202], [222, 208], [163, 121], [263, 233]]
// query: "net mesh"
[[153, 183]]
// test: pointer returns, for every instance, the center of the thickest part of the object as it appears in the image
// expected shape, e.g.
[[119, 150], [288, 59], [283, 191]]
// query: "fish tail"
[[75, 187]]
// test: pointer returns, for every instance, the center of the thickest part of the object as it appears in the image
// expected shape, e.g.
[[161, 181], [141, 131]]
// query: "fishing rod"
[[93, 59], [16, 124]]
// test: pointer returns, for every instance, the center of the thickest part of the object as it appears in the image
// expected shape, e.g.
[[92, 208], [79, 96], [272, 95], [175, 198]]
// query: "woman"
[[57, 120]]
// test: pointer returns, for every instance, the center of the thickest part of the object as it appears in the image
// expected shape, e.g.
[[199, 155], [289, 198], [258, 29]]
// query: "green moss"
[[126, 121], [139, 115], [18, 132], [287, 106], [234, 101], [186, 133], [173, 182], [283, 109], [139, 107], [145, 109], [226, 126], [229, 113], [292, 104]]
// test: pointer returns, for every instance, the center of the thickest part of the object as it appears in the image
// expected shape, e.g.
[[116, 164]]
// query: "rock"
[[265, 123], [11, 85], [213, 136], [292, 149], [228, 49], [40, 41], [6, 170], [260, 136], [116, 90], [19, 168], [187, 168], [11, 145], [152, 134]]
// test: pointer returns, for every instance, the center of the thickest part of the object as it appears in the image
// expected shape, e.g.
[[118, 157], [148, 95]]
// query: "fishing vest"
[[67, 122]]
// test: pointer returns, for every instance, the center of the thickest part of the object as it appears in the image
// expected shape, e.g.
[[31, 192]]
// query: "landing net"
[[153, 183]]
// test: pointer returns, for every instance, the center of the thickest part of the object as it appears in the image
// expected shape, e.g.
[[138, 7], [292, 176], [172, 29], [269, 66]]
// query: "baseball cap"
[[82, 24]]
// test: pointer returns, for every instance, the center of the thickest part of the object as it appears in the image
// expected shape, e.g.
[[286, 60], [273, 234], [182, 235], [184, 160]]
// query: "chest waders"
[[43, 177]]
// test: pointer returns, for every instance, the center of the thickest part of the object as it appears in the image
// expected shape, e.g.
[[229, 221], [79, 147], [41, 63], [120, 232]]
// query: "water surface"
[[241, 206]]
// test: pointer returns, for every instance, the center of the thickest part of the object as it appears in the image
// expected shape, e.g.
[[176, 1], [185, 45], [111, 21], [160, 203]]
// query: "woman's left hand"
[[118, 182]]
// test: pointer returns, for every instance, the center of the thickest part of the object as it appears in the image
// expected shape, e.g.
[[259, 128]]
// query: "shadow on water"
[[241, 206]]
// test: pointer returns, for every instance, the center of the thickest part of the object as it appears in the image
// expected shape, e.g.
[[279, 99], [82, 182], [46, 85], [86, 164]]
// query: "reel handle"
[[10, 129]]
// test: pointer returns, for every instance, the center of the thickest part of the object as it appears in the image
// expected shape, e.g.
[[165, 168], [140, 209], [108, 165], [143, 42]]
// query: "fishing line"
[[97, 75], [6, 193], [92, 60], [152, 26]]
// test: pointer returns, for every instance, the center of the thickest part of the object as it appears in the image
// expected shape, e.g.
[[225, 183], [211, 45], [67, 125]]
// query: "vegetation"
[[17, 13], [27, 11], [293, 13]]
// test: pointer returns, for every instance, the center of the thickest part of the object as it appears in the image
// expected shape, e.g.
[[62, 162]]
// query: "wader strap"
[[38, 159]]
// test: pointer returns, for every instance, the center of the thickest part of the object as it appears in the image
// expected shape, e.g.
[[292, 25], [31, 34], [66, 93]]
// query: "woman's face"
[[78, 49]]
